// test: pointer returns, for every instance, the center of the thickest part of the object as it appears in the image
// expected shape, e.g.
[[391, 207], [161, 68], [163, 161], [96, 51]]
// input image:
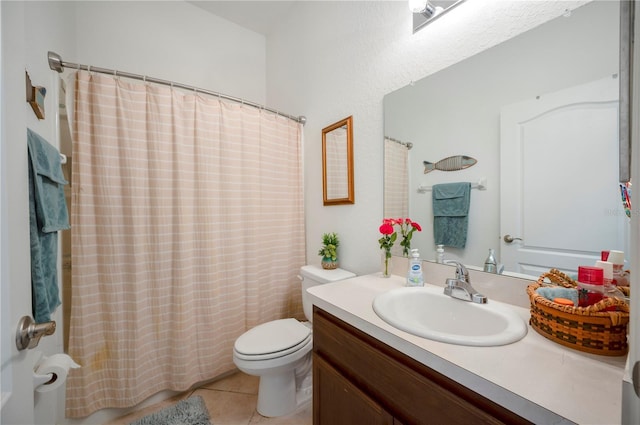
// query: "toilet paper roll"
[[52, 372]]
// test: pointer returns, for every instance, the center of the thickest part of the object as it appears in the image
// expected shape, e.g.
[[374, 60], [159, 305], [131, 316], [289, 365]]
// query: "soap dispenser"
[[490, 264], [440, 254], [414, 275]]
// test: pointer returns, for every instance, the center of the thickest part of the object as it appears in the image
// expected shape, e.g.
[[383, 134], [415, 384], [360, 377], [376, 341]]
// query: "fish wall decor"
[[452, 163]]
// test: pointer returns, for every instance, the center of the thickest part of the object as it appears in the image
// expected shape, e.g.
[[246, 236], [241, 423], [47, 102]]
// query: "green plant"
[[330, 243]]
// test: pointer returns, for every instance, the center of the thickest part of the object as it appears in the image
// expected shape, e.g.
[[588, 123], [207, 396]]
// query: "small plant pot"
[[329, 264]]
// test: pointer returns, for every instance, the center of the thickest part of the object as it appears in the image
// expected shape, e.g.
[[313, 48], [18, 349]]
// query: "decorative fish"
[[452, 163]]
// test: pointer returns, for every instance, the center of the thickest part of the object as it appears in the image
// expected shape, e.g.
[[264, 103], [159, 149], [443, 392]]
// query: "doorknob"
[[509, 239], [30, 332]]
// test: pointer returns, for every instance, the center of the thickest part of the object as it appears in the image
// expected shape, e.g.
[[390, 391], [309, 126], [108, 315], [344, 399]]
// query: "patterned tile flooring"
[[230, 401]]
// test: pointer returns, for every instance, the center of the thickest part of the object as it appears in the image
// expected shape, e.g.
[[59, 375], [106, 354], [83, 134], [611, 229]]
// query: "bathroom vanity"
[[367, 371]]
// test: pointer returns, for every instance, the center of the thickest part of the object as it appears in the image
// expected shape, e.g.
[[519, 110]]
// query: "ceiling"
[[258, 16]]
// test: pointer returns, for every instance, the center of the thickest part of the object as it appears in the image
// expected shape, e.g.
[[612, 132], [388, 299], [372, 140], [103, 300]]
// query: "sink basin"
[[429, 313]]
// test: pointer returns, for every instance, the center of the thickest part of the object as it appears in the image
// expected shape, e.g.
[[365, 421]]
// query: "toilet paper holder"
[[30, 332]]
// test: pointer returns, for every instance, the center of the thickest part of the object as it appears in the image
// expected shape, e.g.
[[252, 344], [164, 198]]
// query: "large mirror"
[[337, 163], [461, 111]]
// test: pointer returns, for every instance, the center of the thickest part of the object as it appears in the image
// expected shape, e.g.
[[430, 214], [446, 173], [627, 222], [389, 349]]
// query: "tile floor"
[[230, 401]]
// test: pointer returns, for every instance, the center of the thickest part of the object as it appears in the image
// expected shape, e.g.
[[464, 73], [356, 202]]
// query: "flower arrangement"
[[329, 250], [407, 227], [389, 236]]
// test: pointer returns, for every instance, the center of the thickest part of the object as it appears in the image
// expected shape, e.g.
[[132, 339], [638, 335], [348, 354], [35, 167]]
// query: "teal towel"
[[450, 213], [553, 292], [47, 214]]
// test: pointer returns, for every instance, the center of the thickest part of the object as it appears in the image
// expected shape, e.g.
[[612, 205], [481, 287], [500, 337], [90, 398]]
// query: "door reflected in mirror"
[[337, 163]]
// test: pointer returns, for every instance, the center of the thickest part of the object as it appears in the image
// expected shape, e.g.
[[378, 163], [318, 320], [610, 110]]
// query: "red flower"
[[388, 235], [386, 228], [407, 227]]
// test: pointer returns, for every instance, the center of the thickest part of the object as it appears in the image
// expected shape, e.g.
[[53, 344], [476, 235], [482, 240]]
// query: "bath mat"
[[190, 411]]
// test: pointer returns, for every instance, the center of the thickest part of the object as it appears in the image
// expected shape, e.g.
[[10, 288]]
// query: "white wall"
[[330, 60], [171, 40]]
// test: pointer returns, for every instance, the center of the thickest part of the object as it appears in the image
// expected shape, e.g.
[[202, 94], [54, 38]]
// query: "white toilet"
[[279, 352]]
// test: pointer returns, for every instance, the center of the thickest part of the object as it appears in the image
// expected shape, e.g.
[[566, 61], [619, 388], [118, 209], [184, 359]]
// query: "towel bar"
[[480, 185]]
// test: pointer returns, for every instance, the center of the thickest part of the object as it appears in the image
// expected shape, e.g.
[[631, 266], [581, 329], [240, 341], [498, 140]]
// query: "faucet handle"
[[461, 271]]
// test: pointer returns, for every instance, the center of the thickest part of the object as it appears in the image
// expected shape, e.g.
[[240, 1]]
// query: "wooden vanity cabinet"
[[360, 380]]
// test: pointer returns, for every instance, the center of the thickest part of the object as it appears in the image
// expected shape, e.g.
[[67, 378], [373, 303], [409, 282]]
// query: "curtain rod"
[[57, 64], [408, 145]]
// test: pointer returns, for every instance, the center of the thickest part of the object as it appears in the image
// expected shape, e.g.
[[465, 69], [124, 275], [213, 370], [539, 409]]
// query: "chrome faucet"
[[461, 288]]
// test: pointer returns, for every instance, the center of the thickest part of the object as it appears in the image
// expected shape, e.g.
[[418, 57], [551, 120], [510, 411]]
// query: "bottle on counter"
[[607, 272], [414, 274], [620, 276], [440, 254], [490, 264], [590, 285], [609, 290]]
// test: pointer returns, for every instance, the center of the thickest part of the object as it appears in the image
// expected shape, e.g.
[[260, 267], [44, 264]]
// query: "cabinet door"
[[403, 387], [338, 402]]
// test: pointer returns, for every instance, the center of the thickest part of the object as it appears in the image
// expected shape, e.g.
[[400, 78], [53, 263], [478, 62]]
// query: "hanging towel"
[[450, 213], [47, 214]]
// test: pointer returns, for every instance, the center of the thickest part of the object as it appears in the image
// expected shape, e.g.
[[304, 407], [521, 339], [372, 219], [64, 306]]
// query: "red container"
[[590, 285]]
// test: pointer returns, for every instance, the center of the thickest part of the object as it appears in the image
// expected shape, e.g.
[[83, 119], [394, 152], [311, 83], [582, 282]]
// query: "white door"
[[15, 280], [559, 193]]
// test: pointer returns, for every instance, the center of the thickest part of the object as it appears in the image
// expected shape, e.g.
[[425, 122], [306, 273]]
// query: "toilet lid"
[[272, 337]]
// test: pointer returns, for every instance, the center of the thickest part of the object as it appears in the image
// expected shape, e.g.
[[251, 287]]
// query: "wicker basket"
[[589, 329]]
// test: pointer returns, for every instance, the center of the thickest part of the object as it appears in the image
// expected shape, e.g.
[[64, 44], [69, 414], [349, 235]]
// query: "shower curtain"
[[396, 182], [187, 229], [396, 179]]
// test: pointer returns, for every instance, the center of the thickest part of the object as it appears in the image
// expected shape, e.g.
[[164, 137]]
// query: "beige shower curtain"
[[396, 182], [188, 229]]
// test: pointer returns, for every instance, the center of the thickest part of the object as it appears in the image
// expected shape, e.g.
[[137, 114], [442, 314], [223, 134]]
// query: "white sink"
[[429, 313]]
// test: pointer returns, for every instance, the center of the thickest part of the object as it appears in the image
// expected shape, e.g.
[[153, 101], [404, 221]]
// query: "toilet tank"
[[314, 275]]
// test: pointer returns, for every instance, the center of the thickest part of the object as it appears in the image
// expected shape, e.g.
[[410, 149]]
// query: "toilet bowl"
[[279, 352]]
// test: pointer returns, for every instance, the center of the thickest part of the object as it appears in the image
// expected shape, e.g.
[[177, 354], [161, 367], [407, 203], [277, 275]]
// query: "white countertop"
[[536, 378]]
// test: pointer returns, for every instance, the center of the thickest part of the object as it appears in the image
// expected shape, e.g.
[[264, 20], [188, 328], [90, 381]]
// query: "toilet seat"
[[271, 340]]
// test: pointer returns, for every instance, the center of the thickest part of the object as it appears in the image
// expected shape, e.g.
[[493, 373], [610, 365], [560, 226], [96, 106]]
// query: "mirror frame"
[[350, 199]]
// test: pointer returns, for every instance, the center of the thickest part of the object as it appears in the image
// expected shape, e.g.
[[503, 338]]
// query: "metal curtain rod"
[[57, 64], [408, 145]]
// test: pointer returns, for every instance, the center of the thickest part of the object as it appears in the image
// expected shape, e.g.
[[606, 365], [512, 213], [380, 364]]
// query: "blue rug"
[[190, 411]]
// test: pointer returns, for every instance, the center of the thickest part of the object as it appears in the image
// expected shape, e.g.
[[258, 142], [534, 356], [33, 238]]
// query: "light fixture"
[[425, 11], [425, 8]]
